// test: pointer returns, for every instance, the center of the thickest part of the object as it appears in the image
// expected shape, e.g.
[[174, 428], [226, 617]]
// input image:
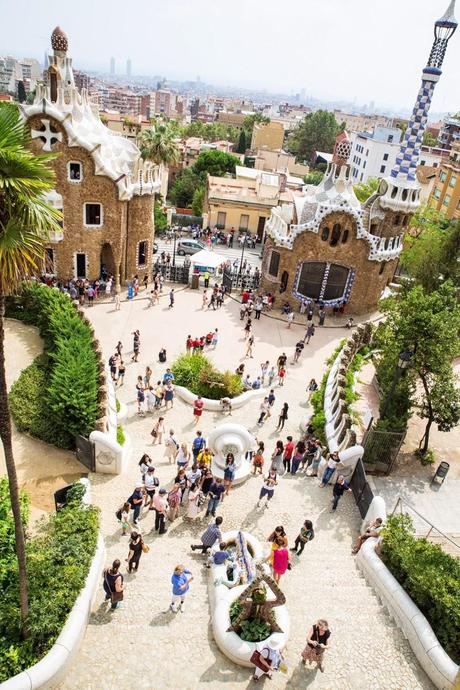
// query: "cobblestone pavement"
[[142, 645]]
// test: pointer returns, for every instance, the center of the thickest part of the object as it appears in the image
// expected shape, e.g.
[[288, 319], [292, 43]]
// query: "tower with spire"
[[400, 191]]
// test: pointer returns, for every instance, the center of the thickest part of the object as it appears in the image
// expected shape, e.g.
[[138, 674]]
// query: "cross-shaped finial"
[[47, 135]]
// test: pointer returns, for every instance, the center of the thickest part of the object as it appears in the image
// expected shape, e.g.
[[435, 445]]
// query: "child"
[[123, 518], [305, 535], [281, 375]]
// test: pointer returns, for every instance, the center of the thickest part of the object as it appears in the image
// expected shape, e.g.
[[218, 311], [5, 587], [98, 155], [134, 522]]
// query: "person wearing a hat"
[[267, 660], [150, 482], [160, 503]]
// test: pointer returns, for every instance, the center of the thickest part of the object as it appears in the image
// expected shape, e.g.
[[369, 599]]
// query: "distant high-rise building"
[[128, 67], [112, 65]]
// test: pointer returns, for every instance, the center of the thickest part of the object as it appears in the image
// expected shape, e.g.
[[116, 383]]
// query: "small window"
[[422, 162], [325, 234], [443, 176], [142, 253], [75, 171], [446, 201], [404, 194], [93, 215], [452, 181], [382, 267], [394, 191], [244, 222], [335, 236], [382, 168], [345, 236], [437, 193], [390, 138], [274, 264], [385, 156]]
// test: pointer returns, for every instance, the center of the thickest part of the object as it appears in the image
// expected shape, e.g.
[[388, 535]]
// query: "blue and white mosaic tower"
[[401, 190]]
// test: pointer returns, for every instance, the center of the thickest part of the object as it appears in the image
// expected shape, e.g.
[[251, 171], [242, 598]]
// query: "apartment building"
[[445, 196]]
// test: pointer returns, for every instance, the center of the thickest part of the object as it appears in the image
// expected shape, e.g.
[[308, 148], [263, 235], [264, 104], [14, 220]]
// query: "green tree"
[[159, 216], [241, 147], [25, 222], [429, 139], [198, 200], [183, 188], [317, 132], [314, 177], [364, 190], [22, 96], [431, 250], [216, 163], [157, 144], [427, 324]]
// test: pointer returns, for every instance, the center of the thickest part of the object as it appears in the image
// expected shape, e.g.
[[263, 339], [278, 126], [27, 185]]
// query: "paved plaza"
[[142, 644]]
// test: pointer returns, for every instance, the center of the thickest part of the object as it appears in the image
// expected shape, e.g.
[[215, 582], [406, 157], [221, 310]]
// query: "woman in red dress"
[[197, 409]]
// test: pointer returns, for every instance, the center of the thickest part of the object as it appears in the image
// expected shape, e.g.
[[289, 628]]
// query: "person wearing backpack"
[[305, 535], [122, 516]]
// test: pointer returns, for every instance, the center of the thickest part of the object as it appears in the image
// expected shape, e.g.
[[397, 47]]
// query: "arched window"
[[345, 236], [335, 236], [284, 281], [273, 264], [325, 234], [404, 194], [398, 219], [394, 191], [322, 281]]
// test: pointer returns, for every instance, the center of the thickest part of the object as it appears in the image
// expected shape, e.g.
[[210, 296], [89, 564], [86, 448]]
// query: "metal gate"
[[174, 274], [227, 281], [381, 448], [85, 452]]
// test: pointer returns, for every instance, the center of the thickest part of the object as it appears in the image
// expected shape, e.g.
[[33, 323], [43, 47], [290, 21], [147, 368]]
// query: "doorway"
[[107, 261], [260, 229], [284, 281], [80, 265]]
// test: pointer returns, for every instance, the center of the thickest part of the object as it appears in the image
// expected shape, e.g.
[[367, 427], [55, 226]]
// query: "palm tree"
[[157, 144], [25, 221]]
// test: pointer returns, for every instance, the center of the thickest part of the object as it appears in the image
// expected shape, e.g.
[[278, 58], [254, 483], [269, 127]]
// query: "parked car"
[[186, 246]]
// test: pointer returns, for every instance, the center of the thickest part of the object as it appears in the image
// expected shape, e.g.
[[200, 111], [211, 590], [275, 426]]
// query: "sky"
[[363, 50]]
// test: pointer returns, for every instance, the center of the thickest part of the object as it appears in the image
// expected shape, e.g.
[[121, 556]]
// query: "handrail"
[[433, 527]]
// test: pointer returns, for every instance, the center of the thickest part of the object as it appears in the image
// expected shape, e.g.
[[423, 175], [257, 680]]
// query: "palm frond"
[[21, 255]]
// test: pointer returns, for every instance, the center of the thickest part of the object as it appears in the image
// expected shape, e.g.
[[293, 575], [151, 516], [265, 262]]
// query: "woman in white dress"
[[193, 508]]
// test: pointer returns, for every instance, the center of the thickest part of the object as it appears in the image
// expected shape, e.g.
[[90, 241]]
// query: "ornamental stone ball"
[[59, 40]]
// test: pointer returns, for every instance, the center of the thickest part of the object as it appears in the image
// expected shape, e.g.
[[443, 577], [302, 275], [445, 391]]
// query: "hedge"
[[197, 373], [56, 397], [59, 557], [430, 576]]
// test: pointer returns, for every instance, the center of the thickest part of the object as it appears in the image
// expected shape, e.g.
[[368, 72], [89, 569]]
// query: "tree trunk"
[[426, 437], [5, 435]]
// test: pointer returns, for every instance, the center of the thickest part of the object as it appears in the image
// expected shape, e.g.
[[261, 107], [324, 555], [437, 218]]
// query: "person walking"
[[198, 444], [249, 348], [135, 501], [290, 318], [183, 457], [113, 584], [122, 515], [305, 535], [160, 503], [338, 490], [317, 643], [268, 489], [288, 453], [298, 351], [180, 580], [159, 395], [193, 507], [158, 431], [332, 464], [309, 333], [312, 387], [298, 456], [210, 536], [169, 395], [281, 561], [282, 416], [229, 474], [204, 299], [215, 338], [215, 492], [322, 316], [171, 447], [150, 483], [135, 551], [277, 458], [271, 375], [281, 376], [174, 501], [267, 660], [264, 410], [171, 298], [136, 346], [121, 373], [198, 406], [258, 459], [310, 314], [147, 377]]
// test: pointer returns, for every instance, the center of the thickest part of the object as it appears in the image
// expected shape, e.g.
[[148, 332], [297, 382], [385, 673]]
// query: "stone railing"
[[338, 428], [437, 664]]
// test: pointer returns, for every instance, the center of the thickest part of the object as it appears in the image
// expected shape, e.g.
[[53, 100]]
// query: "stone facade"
[[93, 166], [370, 277]]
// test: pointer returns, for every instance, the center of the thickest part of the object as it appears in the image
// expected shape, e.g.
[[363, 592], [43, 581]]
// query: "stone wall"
[[368, 283]]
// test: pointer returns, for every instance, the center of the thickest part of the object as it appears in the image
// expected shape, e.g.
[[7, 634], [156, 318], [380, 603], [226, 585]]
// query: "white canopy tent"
[[207, 259]]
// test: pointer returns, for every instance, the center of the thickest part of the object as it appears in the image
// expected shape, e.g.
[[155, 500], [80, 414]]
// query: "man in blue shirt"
[[220, 556], [168, 376], [199, 443], [180, 581]]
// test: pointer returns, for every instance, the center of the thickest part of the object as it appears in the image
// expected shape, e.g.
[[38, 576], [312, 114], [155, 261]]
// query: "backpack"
[[118, 514]]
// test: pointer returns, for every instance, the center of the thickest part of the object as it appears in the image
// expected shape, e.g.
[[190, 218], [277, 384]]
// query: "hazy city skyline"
[[331, 52]]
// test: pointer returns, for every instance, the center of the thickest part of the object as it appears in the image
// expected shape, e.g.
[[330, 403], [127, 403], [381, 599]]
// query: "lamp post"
[[403, 362], [174, 247]]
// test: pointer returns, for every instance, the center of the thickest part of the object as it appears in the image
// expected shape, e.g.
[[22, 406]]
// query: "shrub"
[[58, 561], [255, 630], [197, 373], [121, 438], [117, 405], [68, 401], [430, 576]]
